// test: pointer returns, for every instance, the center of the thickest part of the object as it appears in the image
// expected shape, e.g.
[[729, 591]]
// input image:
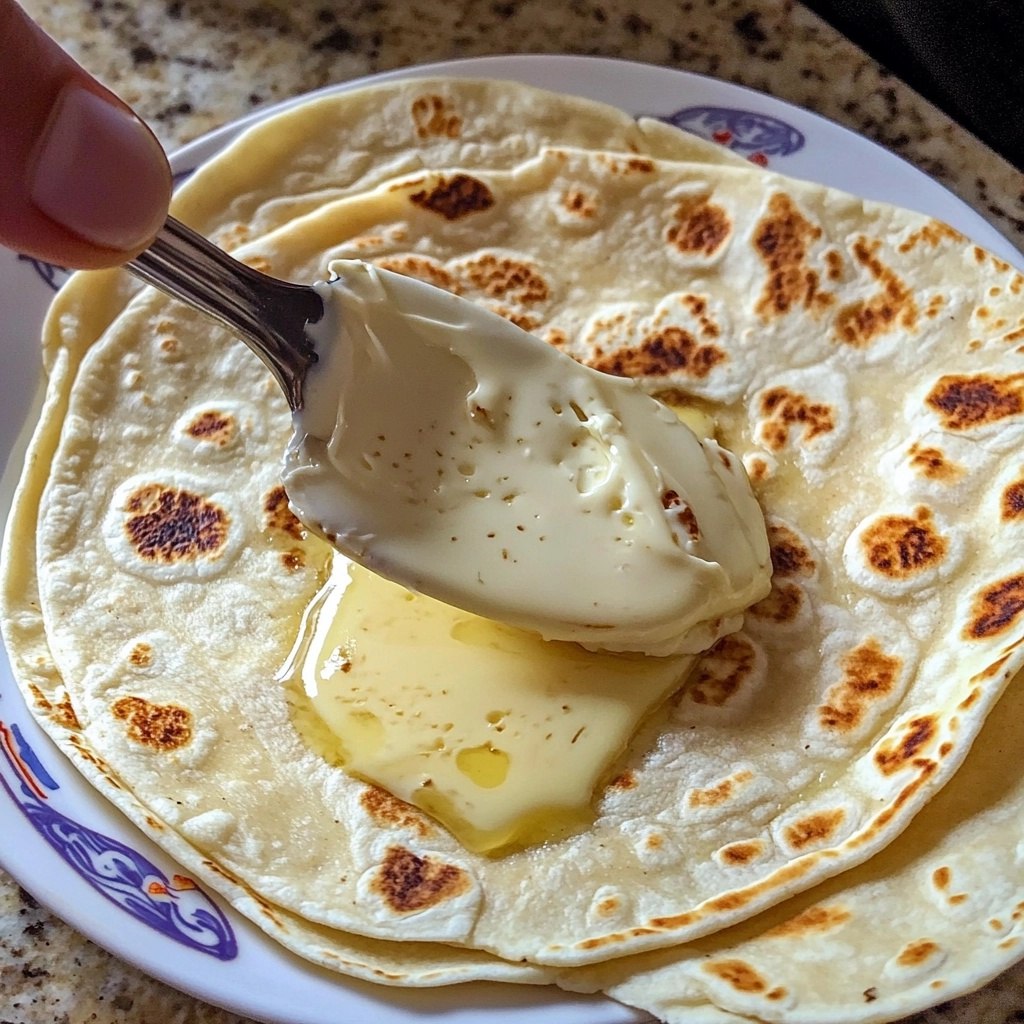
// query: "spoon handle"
[[270, 315]]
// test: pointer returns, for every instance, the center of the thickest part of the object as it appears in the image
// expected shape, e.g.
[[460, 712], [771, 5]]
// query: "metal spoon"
[[270, 315]]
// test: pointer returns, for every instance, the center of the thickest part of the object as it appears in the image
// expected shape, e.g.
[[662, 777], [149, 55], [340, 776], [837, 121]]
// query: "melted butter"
[[446, 449], [498, 734]]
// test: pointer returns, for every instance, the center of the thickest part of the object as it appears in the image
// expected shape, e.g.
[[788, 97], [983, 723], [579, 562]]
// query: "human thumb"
[[85, 183]]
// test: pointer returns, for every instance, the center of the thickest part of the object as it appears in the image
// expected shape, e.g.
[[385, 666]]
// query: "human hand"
[[84, 182]]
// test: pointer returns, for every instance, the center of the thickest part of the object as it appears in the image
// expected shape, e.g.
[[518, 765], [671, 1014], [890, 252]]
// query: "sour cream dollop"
[[446, 449]]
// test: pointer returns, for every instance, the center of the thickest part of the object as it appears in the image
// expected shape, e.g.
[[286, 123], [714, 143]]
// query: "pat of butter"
[[498, 734]]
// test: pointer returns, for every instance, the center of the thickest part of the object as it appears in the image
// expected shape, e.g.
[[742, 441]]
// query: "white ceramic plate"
[[79, 857]]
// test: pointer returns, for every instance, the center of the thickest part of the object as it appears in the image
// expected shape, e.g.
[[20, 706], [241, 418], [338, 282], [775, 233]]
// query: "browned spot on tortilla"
[[892, 757], [790, 555], [503, 277], [580, 203], [141, 655], [782, 239], [687, 518], [931, 462], [783, 603], [556, 337], [524, 321], [655, 841], [609, 905], [869, 675], [722, 671], [390, 812], [899, 547], [1011, 505], [423, 268], [624, 166], [158, 726], [662, 352], [941, 877], [82, 751], [965, 401], [434, 116], [408, 883], [63, 712], [214, 427], [293, 559], [737, 973], [455, 197], [758, 470], [699, 227], [816, 828], [931, 234], [783, 410], [970, 699], [169, 524], [996, 609], [737, 854], [278, 517], [916, 953], [814, 920], [721, 793], [624, 780], [833, 265], [860, 323]]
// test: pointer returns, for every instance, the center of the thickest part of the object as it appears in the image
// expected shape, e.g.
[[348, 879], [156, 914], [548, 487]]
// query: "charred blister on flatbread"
[[783, 240], [872, 679], [172, 526], [996, 609], [905, 751], [217, 430], [454, 197], [972, 401], [895, 553], [161, 727], [860, 322], [669, 352], [724, 681], [387, 811], [505, 276], [932, 463], [813, 830], [408, 883], [744, 978], [816, 920], [435, 116], [741, 854], [212, 426], [699, 228]]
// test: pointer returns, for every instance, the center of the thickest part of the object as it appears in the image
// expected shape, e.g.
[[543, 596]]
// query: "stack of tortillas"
[[810, 829]]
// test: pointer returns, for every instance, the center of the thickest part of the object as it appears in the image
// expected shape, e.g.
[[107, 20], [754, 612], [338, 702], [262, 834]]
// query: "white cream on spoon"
[[446, 449]]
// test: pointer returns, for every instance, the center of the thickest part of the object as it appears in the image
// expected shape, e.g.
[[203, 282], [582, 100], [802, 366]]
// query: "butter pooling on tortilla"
[[840, 304]]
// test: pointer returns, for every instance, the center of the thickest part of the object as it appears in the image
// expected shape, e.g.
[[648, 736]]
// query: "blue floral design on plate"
[[753, 135], [52, 275], [175, 906]]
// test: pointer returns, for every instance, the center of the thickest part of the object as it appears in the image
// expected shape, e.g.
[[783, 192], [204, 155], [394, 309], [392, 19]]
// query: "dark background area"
[[966, 56]]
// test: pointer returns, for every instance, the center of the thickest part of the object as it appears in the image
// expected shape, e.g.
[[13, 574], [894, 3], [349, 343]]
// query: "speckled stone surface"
[[190, 65]]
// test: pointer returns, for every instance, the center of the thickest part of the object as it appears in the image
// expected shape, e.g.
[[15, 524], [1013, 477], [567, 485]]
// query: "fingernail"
[[99, 172]]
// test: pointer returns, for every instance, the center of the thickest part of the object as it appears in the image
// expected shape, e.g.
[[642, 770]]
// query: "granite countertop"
[[190, 65]]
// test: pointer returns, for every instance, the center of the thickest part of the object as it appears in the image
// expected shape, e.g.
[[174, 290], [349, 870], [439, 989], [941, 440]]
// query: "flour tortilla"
[[935, 915], [802, 746], [344, 143]]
